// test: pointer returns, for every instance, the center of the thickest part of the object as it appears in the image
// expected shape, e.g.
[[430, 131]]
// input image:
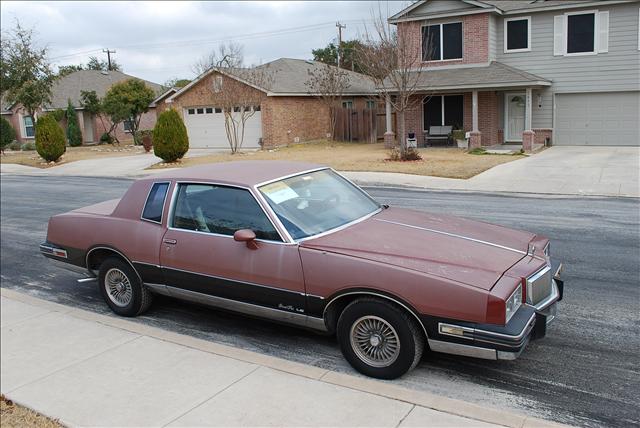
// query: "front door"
[[88, 127], [201, 261], [515, 116]]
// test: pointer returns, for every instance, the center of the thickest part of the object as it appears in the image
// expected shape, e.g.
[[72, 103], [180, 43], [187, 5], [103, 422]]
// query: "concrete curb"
[[358, 383]]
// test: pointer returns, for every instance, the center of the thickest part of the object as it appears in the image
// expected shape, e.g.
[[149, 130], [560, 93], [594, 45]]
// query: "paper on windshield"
[[279, 192]]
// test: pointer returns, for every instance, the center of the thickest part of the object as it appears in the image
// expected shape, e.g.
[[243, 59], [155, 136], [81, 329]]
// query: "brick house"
[[526, 72], [68, 88], [286, 113]]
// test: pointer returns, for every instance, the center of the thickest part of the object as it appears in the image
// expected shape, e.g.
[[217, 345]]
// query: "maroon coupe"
[[300, 244]]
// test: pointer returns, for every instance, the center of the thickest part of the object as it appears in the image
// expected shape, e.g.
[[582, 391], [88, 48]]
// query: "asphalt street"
[[585, 372]]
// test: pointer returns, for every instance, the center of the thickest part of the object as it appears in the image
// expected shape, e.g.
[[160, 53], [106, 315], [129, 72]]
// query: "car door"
[[201, 261]]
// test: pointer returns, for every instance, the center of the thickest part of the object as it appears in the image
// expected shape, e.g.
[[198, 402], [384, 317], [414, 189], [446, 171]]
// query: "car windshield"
[[315, 202]]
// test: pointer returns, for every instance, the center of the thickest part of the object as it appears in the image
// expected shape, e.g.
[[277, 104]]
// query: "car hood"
[[466, 251]]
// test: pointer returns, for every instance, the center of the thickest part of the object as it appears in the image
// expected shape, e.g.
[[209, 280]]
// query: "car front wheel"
[[121, 288], [379, 339]]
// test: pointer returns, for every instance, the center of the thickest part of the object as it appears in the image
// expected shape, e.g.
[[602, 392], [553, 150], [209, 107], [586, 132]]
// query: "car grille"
[[539, 286]]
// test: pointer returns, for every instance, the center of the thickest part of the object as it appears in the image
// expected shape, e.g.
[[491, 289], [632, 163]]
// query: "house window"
[[218, 110], [209, 110], [581, 30], [347, 104], [29, 129], [256, 108], [442, 42], [236, 109], [200, 111], [371, 104], [191, 111], [447, 110], [517, 34], [128, 125]]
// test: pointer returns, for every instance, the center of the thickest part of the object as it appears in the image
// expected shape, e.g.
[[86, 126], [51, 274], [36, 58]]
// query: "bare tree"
[[395, 64], [239, 92], [229, 55], [328, 83]]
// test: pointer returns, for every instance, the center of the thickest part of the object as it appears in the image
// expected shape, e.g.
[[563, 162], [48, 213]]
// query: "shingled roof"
[[494, 75], [69, 87]]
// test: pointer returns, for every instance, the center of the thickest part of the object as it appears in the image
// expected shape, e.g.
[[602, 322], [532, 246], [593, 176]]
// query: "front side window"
[[315, 202], [444, 110], [221, 210], [155, 202], [29, 129], [347, 104], [581, 33], [517, 34], [442, 42]]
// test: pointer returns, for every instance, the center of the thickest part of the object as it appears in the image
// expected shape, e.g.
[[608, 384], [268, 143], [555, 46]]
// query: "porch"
[[494, 104]]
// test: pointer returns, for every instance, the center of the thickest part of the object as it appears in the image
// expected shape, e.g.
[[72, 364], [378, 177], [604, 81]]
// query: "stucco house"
[[286, 111], [70, 87], [530, 72]]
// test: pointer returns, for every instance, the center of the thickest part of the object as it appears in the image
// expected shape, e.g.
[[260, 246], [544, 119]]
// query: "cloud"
[[160, 40]]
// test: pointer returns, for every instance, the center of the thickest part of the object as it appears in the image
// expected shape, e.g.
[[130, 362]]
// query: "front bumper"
[[488, 341]]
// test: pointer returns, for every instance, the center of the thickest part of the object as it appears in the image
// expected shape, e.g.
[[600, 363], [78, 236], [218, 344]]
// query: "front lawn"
[[438, 162], [31, 157]]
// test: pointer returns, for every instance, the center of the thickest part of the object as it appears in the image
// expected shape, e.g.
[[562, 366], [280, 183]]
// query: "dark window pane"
[[218, 110], [191, 111], [155, 202], [431, 43], [209, 110], [221, 210], [517, 34], [432, 111], [452, 41], [580, 33], [453, 111], [200, 111]]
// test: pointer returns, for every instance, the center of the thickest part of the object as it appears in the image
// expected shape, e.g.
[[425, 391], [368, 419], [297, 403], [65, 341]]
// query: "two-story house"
[[531, 71]]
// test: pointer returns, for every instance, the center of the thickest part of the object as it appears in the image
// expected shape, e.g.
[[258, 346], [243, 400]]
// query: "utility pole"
[[340, 27], [108, 52]]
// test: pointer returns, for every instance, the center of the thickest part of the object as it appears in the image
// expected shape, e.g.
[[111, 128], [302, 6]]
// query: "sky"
[[161, 40]]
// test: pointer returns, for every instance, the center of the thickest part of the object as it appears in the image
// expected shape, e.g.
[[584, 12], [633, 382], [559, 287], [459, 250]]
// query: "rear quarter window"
[[154, 205]]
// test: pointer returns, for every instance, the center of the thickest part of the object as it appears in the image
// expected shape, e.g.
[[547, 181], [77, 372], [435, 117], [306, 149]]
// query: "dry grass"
[[31, 157], [438, 162], [13, 415]]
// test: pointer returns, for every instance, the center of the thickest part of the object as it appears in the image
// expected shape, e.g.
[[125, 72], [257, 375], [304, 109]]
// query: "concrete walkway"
[[582, 171], [95, 370]]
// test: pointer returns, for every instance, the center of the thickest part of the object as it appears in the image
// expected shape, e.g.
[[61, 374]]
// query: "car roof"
[[241, 173]]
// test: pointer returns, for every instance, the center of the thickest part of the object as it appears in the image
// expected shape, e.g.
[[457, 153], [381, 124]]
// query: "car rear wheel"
[[379, 339], [121, 288]]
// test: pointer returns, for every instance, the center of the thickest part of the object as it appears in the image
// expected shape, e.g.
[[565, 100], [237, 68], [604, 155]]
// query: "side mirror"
[[248, 236]]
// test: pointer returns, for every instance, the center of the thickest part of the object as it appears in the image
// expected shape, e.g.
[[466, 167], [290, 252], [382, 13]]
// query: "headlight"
[[513, 303]]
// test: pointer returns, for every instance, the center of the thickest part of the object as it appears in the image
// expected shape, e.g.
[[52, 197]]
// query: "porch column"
[[389, 136], [528, 136], [475, 136]]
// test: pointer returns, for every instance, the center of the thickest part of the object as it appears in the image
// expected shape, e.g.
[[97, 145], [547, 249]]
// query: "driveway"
[[589, 171]]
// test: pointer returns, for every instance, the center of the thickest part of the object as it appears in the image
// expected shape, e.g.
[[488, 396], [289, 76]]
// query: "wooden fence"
[[356, 125]]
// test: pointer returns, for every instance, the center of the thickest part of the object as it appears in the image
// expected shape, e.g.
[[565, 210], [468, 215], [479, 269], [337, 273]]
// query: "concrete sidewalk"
[[95, 370]]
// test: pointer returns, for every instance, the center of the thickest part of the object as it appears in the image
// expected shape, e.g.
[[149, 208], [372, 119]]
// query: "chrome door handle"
[[170, 241]]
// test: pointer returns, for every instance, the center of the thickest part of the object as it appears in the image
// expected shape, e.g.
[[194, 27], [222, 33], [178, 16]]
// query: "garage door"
[[205, 127], [597, 119]]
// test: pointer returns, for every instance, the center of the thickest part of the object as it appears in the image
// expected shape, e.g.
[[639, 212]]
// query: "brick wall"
[[475, 44], [286, 120], [147, 121], [542, 134]]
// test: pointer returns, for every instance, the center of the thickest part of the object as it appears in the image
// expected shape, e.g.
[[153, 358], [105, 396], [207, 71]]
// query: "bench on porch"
[[441, 134]]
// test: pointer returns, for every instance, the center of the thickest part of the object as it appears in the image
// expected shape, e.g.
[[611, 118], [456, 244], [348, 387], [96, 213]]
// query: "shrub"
[[106, 138], [170, 140], [74, 136], [477, 151], [14, 146], [58, 114], [147, 139], [458, 134], [410, 154], [7, 134], [28, 146], [50, 142]]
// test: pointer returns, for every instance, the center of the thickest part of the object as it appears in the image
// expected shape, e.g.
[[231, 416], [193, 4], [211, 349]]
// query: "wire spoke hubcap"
[[375, 341], [118, 287]]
